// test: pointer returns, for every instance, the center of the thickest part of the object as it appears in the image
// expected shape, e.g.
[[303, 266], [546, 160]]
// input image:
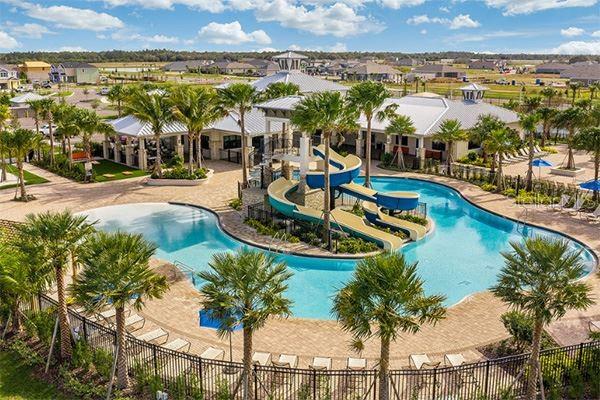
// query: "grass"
[[113, 168], [30, 179], [18, 383]]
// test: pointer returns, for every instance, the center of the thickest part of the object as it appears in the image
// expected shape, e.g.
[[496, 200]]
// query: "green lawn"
[[17, 382], [109, 167], [30, 179]]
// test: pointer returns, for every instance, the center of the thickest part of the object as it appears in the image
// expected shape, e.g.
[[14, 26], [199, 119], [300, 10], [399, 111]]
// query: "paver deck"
[[470, 324]]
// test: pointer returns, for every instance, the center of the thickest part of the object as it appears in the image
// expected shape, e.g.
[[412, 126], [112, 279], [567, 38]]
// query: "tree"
[[574, 87], [368, 98], [531, 103], [549, 93], [280, 89], [540, 279], [91, 123], [499, 142], [486, 123], [385, 297], [196, 107], [47, 114], [69, 121], [326, 112], [5, 115], [118, 94], [588, 139], [37, 106], [528, 123], [246, 288], [239, 98], [547, 118], [116, 273], [400, 125], [56, 237], [571, 119], [20, 142], [153, 108], [593, 87], [450, 131]]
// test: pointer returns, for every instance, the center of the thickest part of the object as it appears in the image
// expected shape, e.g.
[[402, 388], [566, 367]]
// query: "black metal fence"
[[184, 375]]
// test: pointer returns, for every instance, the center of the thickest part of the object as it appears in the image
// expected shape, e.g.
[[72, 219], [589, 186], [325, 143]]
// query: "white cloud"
[[396, 4], [160, 39], [231, 34], [458, 22], [578, 47], [336, 47], [513, 7], [572, 31], [423, 31], [7, 41], [125, 35], [69, 17], [72, 48], [487, 36], [32, 31], [444, 9], [596, 34], [214, 6]]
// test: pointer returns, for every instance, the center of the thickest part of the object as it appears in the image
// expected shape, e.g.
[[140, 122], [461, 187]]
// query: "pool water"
[[460, 257]]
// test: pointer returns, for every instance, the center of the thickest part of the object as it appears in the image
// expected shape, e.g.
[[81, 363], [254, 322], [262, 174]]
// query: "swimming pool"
[[460, 257]]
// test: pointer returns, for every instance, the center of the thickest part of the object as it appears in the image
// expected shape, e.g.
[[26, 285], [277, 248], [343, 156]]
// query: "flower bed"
[[180, 176]]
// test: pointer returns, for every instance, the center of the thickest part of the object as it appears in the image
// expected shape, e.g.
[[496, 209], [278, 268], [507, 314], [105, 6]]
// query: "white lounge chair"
[[594, 326], [594, 216], [454, 360], [134, 322], [564, 200], [356, 364], [421, 361], [321, 363], [155, 335], [259, 358], [576, 207], [286, 360], [212, 353], [178, 345]]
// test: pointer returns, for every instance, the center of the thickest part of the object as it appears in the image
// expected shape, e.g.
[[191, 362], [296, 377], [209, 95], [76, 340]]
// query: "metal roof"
[[24, 98], [473, 86], [283, 103], [307, 83], [290, 54]]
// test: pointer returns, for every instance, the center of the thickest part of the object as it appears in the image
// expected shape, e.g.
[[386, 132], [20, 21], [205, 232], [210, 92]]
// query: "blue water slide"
[[345, 170], [403, 201]]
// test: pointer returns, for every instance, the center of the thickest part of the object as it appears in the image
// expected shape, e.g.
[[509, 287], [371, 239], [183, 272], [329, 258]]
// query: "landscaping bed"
[[30, 179], [180, 176]]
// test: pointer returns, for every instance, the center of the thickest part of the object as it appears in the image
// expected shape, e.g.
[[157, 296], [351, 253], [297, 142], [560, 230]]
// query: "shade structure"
[[591, 185], [539, 162]]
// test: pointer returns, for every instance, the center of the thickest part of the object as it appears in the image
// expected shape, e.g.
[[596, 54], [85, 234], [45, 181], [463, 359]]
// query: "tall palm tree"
[[571, 119], [450, 132], [239, 98], [528, 123], [326, 112], [574, 88], [540, 279], [117, 94], [531, 103], [20, 142], [499, 142], [37, 107], [91, 123], [196, 107], [280, 89], [594, 87], [116, 273], [588, 139], [400, 125], [5, 115], [484, 126], [368, 98], [549, 93], [547, 117], [153, 108], [47, 114], [246, 288], [69, 121], [57, 238], [384, 298]]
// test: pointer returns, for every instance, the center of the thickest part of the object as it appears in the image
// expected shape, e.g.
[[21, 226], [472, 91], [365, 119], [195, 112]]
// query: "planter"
[[567, 172], [179, 182]]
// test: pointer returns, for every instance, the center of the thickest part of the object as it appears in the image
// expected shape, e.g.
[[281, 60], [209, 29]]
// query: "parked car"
[[46, 85], [24, 88], [45, 130], [104, 91]]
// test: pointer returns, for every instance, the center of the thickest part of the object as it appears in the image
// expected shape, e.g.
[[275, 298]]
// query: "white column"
[[105, 147], [129, 152], [267, 154], [117, 149], [178, 146], [215, 146], [421, 152], [359, 144], [389, 147], [142, 155]]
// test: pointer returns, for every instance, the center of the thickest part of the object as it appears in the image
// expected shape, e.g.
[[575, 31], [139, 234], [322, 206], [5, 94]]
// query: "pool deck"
[[469, 325]]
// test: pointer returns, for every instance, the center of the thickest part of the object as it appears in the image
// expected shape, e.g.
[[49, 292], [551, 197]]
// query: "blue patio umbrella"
[[591, 185], [539, 162]]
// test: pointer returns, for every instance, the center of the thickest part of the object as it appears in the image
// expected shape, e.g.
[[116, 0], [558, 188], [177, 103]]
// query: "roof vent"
[[473, 92]]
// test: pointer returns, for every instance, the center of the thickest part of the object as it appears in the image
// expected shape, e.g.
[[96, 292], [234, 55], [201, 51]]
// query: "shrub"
[[82, 355], [549, 150], [412, 218], [510, 192], [472, 156], [488, 187], [236, 204], [180, 172], [40, 324], [144, 378], [81, 390], [357, 210], [386, 159], [175, 161], [103, 361], [520, 328], [26, 353], [352, 245]]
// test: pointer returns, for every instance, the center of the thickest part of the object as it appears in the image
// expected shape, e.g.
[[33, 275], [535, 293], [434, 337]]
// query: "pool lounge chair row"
[[522, 154], [576, 209], [318, 363]]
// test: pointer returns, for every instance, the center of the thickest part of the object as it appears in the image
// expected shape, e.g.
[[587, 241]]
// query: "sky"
[[412, 26]]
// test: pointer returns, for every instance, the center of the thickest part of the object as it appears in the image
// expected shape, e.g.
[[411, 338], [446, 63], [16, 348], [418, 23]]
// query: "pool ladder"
[[522, 222], [186, 269], [276, 243]]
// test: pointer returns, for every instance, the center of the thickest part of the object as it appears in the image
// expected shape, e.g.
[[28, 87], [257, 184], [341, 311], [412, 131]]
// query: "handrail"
[[186, 268]]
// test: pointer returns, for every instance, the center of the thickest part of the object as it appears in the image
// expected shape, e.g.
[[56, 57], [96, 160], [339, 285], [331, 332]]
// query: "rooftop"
[[307, 83], [371, 67], [290, 55], [36, 64]]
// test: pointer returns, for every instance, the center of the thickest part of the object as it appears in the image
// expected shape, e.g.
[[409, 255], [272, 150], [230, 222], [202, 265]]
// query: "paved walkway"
[[470, 324]]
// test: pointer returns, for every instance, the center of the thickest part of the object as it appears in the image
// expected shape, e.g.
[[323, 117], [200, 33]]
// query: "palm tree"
[[499, 142], [37, 106], [239, 98], [574, 88], [417, 80], [280, 89], [69, 121], [367, 98], [481, 131], [593, 87], [547, 116], [116, 272], [47, 114], [196, 107], [154, 109], [91, 123], [588, 139], [400, 125], [531, 103], [450, 131], [540, 279], [326, 112], [246, 288], [117, 94], [571, 119], [549, 93], [5, 115], [57, 238], [20, 142], [385, 297], [528, 123]]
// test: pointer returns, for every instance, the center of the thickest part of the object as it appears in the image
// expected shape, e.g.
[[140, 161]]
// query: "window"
[[232, 142], [404, 140], [205, 141], [438, 146]]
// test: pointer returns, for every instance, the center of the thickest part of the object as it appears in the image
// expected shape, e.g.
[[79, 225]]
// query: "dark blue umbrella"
[[539, 162], [591, 185]]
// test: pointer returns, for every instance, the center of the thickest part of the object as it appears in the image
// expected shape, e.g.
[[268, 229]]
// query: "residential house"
[[483, 64], [372, 71], [431, 71], [186, 66], [74, 72], [551, 68], [36, 71], [9, 77], [230, 68], [263, 67], [583, 73], [408, 62]]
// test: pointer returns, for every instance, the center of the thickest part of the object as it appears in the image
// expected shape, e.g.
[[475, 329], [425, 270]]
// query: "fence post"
[[314, 384], [39, 296], [434, 383], [518, 184], [580, 356], [375, 384], [487, 378], [85, 335], [255, 381], [201, 381], [155, 361]]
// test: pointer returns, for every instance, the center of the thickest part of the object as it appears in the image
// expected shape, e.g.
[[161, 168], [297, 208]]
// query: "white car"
[[45, 130], [104, 91]]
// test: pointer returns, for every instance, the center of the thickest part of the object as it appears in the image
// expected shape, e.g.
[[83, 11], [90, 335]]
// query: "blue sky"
[[544, 26]]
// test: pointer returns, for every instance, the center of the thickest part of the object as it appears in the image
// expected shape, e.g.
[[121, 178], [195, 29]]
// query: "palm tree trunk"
[[17, 326], [400, 154], [51, 142], [529, 175], [122, 372], [449, 159], [199, 150], [596, 172], [2, 167], [244, 150], [499, 184], [119, 108], [326, 192], [368, 154], [70, 149], [191, 162], [88, 146], [248, 393], [384, 361], [534, 361], [63, 315], [158, 159], [21, 179], [571, 159]]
